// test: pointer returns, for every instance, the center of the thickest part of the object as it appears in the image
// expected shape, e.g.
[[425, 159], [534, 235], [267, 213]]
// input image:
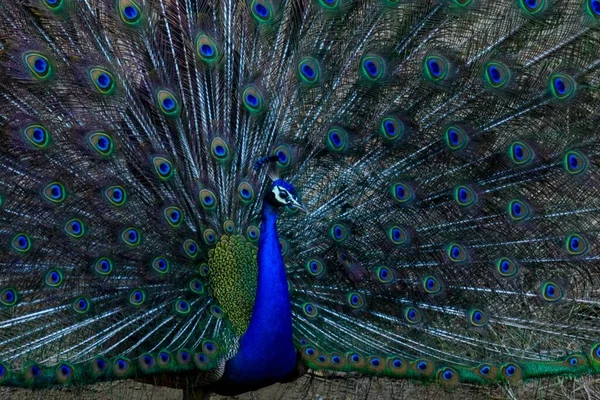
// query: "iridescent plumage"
[[156, 157]]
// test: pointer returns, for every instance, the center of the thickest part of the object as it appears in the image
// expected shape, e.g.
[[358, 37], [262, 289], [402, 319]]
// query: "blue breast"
[[267, 354]]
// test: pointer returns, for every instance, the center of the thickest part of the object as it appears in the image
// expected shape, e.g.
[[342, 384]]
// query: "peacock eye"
[[284, 195]]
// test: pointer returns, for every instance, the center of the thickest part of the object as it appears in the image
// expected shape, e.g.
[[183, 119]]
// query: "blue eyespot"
[[103, 143], [164, 357], [309, 71], [63, 373], [422, 365], [576, 244], [182, 307], [116, 195], [375, 362], [575, 162], [40, 65], [131, 236], [372, 67], [485, 370], [81, 305], [455, 138], [436, 68], [494, 74], [168, 104], [551, 291], [137, 297], [3, 372], [183, 356], [329, 4], [398, 235], [53, 4], [130, 12], [402, 193], [456, 253], [75, 228], [103, 266], [506, 267], [518, 210], [593, 8], [339, 232], [35, 371], [100, 364], [391, 128], [533, 7], [309, 310], [21, 243], [384, 274], [148, 360], [562, 86], [335, 138], [173, 215], [464, 195], [39, 135], [104, 81], [207, 50], [261, 10], [190, 247], [202, 358], [510, 370], [252, 100], [573, 361], [520, 153], [355, 300], [447, 375], [8, 297], [55, 192], [432, 285], [478, 318], [54, 278], [163, 168], [315, 267]]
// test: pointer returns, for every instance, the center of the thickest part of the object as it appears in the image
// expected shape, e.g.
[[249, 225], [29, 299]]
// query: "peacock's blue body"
[[220, 195], [267, 353]]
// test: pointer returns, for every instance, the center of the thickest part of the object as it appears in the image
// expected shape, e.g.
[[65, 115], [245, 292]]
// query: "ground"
[[314, 388]]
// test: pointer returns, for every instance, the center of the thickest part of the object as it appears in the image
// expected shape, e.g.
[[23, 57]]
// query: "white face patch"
[[282, 195]]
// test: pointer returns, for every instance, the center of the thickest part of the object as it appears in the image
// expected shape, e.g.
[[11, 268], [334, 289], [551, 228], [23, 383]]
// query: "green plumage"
[[232, 274]]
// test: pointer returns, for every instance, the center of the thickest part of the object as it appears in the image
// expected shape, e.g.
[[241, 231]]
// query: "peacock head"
[[282, 193]]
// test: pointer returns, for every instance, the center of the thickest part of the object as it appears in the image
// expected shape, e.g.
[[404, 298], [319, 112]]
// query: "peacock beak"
[[299, 205]]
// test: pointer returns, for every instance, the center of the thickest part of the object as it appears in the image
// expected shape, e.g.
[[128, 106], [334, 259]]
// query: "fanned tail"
[[447, 152], [453, 187]]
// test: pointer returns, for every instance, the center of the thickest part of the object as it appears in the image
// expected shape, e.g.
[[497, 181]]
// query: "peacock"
[[222, 195]]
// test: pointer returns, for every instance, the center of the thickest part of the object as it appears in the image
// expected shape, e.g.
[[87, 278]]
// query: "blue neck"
[[267, 354]]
